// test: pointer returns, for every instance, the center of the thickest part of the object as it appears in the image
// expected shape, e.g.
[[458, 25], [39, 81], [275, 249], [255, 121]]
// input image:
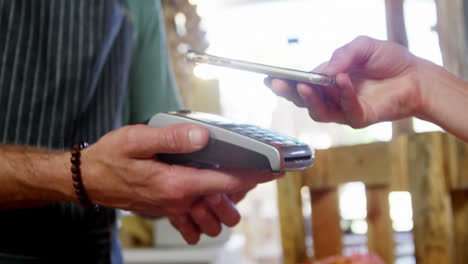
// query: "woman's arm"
[[446, 99]]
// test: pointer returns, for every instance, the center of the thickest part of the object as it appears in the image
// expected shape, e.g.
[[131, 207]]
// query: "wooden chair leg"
[[380, 231], [432, 210], [460, 215], [291, 220], [326, 217]]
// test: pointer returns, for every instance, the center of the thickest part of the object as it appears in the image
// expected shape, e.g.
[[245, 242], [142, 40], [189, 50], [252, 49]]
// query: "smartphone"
[[272, 71]]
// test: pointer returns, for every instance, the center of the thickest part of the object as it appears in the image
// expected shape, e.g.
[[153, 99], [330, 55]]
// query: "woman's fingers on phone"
[[267, 81], [286, 89], [319, 108], [353, 111]]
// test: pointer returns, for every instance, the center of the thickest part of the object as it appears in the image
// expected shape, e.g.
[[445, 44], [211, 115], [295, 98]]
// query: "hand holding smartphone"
[[272, 71]]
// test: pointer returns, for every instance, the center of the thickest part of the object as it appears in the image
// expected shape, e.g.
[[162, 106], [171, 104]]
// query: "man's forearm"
[[31, 177]]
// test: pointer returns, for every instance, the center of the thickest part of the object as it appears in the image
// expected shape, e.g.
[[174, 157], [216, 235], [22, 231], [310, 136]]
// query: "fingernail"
[[214, 199], [196, 137]]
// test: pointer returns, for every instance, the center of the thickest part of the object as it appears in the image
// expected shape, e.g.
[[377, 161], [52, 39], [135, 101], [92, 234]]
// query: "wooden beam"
[[456, 153], [326, 231], [402, 127], [460, 215], [432, 210], [396, 32], [399, 161], [452, 36], [291, 218], [368, 163], [380, 231], [317, 176]]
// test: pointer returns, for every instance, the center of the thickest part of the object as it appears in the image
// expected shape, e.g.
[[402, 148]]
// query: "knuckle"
[[362, 39], [172, 140], [229, 186], [175, 194], [153, 199], [337, 54], [166, 195], [176, 210], [132, 136], [359, 41], [178, 188], [199, 208]]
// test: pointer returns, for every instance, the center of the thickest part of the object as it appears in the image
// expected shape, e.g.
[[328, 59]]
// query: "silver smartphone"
[[272, 71]]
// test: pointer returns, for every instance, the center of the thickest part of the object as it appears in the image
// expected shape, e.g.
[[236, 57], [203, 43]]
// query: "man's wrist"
[[44, 176]]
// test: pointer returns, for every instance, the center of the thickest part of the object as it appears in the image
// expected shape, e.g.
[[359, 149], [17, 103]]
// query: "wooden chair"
[[433, 167]]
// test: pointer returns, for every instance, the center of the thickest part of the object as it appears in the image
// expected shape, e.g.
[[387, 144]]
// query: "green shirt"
[[151, 85]]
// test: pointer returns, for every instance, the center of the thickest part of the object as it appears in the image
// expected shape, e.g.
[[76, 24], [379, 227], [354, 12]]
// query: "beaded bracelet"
[[76, 176]]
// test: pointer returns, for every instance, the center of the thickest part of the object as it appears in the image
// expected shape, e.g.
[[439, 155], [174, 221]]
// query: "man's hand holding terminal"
[[121, 171]]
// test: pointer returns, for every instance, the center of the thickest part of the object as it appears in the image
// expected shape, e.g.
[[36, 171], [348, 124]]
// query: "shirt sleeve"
[[151, 84]]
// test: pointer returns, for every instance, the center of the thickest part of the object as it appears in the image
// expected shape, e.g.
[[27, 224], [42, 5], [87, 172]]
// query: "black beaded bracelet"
[[76, 176]]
